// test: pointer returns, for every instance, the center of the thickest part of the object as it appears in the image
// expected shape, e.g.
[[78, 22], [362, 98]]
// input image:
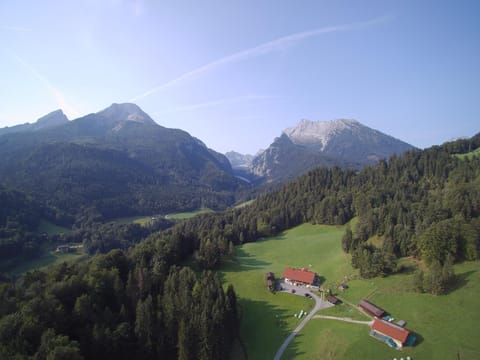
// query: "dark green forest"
[[144, 302]]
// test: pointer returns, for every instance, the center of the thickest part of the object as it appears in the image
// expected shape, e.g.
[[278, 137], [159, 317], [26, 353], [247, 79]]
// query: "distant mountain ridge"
[[239, 161], [310, 144], [116, 162], [50, 120]]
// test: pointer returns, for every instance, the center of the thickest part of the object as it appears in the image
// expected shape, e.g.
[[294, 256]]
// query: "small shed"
[[333, 300], [270, 280], [342, 287]]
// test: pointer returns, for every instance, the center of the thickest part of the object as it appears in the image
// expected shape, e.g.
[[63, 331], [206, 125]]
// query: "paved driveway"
[[319, 304]]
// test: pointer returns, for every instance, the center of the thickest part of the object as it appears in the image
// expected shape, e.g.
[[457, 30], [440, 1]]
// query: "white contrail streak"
[[57, 95], [219, 102], [260, 50], [15, 28]]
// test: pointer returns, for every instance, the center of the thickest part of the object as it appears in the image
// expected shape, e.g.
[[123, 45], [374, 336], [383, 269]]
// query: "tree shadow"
[[244, 261], [265, 329], [461, 280]]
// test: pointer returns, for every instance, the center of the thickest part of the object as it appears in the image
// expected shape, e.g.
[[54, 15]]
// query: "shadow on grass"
[[419, 339], [461, 280], [264, 327], [244, 261]]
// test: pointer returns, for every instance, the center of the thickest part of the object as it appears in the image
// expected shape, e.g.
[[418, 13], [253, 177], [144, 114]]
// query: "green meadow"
[[444, 325], [188, 215], [18, 265], [141, 220], [471, 154], [267, 318]]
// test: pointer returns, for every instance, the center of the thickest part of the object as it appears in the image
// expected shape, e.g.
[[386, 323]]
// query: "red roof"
[[394, 331], [371, 308], [300, 275]]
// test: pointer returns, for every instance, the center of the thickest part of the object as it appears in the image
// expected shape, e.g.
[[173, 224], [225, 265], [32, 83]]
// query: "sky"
[[236, 73]]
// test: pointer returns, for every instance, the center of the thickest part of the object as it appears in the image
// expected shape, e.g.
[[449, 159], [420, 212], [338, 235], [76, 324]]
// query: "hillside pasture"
[[187, 215], [444, 325], [267, 318]]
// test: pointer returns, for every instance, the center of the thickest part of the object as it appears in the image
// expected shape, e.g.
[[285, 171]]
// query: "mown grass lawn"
[[268, 318]]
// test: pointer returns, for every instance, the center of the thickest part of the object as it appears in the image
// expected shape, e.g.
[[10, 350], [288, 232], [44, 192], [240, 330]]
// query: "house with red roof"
[[392, 334], [299, 276]]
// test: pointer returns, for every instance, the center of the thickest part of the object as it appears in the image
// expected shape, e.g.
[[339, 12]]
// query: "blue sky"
[[236, 73]]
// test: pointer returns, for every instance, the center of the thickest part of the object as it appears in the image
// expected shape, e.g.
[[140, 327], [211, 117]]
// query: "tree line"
[[119, 305]]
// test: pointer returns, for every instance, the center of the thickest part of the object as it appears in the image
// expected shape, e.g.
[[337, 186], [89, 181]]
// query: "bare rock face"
[[310, 144], [239, 161]]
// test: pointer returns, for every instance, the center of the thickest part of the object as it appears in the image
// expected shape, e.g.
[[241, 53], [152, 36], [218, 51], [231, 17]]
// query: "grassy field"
[[18, 265], [268, 318], [142, 220], [187, 215], [246, 203], [444, 325], [48, 258], [52, 229], [473, 153]]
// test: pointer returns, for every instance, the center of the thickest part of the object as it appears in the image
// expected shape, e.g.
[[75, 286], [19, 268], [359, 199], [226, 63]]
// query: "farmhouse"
[[299, 276], [392, 334], [371, 308], [68, 248]]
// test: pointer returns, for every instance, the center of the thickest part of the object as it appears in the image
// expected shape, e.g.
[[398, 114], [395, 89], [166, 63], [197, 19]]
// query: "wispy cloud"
[[279, 44], [218, 102], [57, 94], [15, 28]]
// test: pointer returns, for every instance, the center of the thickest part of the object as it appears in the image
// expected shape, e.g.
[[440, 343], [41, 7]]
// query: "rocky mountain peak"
[[54, 118], [319, 133], [125, 112], [239, 160], [310, 144]]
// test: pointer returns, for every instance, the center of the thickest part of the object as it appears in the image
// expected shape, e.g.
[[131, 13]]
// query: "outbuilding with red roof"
[[392, 334]]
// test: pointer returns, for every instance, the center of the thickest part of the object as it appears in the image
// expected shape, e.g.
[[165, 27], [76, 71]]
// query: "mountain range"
[[120, 162], [311, 144], [116, 162]]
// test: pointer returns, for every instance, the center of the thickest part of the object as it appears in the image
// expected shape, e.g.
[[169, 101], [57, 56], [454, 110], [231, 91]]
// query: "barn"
[[371, 308]]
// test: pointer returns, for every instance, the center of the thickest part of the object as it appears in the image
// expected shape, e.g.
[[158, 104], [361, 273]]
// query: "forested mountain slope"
[[116, 162]]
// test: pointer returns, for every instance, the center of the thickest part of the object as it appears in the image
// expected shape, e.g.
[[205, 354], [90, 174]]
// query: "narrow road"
[[319, 304], [344, 319]]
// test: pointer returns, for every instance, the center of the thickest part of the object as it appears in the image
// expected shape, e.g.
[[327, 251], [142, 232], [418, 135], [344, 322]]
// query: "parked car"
[[308, 295]]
